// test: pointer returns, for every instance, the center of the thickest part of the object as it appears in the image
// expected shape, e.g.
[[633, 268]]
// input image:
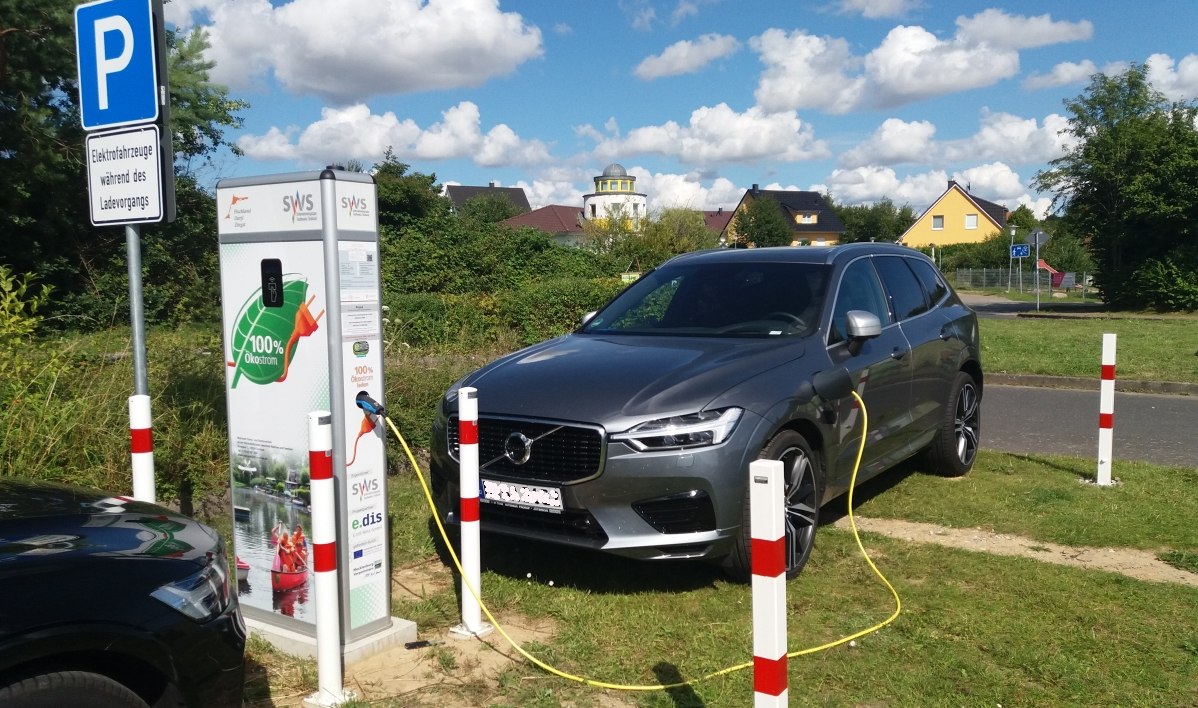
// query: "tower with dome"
[[615, 196]]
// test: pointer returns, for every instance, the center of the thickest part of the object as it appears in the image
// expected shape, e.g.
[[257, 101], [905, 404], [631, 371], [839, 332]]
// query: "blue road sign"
[[114, 43], [1021, 250]]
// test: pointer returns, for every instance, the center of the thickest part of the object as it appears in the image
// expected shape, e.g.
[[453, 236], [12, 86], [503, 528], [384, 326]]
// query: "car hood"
[[44, 520], [612, 379]]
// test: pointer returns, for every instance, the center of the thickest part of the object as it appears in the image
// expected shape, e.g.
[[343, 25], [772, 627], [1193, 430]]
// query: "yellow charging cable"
[[659, 687]]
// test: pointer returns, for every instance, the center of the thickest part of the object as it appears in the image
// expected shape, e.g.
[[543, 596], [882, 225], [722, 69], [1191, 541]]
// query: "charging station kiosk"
[[302, 329]]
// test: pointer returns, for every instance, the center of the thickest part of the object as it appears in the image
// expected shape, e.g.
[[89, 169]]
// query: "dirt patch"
[[1141, 565], [449, 672]]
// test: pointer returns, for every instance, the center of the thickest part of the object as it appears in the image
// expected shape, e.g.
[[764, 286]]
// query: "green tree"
[[406, 197], [761, 224], [489, 209], [44, 223], [881, 221], [1129, 185]]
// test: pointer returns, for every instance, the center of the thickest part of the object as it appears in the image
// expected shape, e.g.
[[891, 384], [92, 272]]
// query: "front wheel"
[[69, 688], [802, 491], [955, 445]]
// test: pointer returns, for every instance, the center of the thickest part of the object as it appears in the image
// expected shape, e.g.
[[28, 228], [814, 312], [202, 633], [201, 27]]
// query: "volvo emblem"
[[517, 448]]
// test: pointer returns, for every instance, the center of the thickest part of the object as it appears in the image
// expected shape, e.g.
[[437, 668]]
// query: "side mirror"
[[833, 384], [861, 325]]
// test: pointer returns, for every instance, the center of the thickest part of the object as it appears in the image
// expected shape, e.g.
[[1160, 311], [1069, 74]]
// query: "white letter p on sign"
[[104, 65]]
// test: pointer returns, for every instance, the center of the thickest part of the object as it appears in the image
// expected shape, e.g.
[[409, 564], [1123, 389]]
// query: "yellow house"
[[956, 217]]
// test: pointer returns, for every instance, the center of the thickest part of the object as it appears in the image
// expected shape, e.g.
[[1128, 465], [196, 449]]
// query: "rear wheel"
[[955, 445], [69, 688], [803, 489]]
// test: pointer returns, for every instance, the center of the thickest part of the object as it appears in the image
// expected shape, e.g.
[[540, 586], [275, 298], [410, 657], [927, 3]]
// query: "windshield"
[[719, 299]]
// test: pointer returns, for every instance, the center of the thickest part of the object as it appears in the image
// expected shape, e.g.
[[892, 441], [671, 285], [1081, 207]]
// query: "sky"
[[698, 99]]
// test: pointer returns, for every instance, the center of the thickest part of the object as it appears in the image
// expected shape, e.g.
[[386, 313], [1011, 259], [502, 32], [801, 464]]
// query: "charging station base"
[[300, 644]]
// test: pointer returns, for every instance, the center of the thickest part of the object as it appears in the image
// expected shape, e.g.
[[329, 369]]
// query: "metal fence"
[[1015, 279]]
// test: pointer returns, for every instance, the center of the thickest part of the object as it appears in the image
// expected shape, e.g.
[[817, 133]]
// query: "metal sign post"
[[121, 62]]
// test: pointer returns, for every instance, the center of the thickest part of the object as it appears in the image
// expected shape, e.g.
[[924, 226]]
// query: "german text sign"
[[124, 179]]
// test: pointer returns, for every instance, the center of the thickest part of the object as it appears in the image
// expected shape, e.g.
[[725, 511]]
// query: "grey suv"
[[633, 434]]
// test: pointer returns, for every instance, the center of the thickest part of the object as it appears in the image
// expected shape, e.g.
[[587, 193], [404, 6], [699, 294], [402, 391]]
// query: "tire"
[[803, 477], [955, 446], [69, 688]]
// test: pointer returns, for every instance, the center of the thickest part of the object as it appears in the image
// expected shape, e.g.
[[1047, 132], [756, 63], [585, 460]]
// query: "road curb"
[[1091, 384]]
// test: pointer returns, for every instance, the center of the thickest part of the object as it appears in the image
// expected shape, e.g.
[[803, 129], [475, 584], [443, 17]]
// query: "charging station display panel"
[[276, 354], [366, 559]]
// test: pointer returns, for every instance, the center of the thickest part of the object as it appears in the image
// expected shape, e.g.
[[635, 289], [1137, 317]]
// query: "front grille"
[[678, 513], [566, 453], [576, 523]]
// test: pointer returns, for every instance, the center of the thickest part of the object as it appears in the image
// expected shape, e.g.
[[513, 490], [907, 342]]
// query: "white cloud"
[[875, 9], [1062, 74], [720, 134], [687, 57], [641, 15], [894, 142], [353, 49], [1007, 137], [686, 191], [805, 71], [683, 10], [1178, 84], [356, 133], [912, 64], [542, 193], [872, 184], [994, 182], [998, 29]]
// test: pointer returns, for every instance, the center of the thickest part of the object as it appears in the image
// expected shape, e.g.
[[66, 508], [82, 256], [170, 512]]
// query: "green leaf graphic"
[[262, 336]]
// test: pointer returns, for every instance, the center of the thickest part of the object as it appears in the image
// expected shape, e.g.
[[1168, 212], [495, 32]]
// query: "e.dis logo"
[[370, 519], [295, 203]]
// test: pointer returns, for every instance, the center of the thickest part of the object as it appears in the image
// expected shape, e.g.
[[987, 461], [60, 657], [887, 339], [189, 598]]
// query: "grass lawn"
[[1147, 349], [976, 629]]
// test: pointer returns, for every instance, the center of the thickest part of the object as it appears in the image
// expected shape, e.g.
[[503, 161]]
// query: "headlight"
[[692, 430], [202, 596]]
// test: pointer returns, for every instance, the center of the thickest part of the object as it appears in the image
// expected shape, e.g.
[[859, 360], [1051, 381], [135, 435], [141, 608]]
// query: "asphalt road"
[[1150, 427]]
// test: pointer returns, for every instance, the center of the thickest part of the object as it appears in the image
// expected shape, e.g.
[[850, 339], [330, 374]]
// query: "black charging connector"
[[368, 404]]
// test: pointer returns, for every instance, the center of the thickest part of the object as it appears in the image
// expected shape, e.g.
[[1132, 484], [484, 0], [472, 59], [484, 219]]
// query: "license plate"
[[521, 495]]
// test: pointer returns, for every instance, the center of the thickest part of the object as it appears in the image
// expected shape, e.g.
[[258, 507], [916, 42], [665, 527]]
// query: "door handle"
[[946, 333], [898, 353]]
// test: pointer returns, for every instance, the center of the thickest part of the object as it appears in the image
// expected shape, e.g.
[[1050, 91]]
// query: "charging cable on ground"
[[376, 409]]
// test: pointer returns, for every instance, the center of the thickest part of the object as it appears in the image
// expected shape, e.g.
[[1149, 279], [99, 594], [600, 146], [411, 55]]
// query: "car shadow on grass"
[[581, 568], [838, 508]]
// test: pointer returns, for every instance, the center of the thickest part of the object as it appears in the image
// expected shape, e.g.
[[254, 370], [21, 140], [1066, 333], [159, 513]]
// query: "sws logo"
[[370, 519], [296, 203], [355, 205], [365, 487]]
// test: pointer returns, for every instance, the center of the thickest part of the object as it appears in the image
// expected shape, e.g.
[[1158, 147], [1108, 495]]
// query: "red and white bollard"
[[329, 691], [1106, 411], [767, 529], [472, 623], [141, 447]]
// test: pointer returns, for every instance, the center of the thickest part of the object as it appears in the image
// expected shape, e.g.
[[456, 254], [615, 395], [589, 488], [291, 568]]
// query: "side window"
[[859, 290], [905, 291], [932, 282]]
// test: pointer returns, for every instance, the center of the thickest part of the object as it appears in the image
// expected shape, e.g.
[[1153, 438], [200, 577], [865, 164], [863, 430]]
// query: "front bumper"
[[675, 504]]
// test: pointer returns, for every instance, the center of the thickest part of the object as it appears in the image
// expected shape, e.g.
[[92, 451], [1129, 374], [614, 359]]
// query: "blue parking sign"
[[114, 43]]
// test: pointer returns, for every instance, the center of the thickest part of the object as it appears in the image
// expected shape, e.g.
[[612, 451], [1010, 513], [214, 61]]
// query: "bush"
[[459, 322], [1166, 285], [553, 307]]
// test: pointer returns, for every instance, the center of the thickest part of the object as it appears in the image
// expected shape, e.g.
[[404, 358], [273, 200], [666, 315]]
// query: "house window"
[[971, 221], [592, 211], [938, 223]]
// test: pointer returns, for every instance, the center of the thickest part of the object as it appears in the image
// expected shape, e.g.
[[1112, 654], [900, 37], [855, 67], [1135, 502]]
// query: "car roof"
[[827, 255]]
